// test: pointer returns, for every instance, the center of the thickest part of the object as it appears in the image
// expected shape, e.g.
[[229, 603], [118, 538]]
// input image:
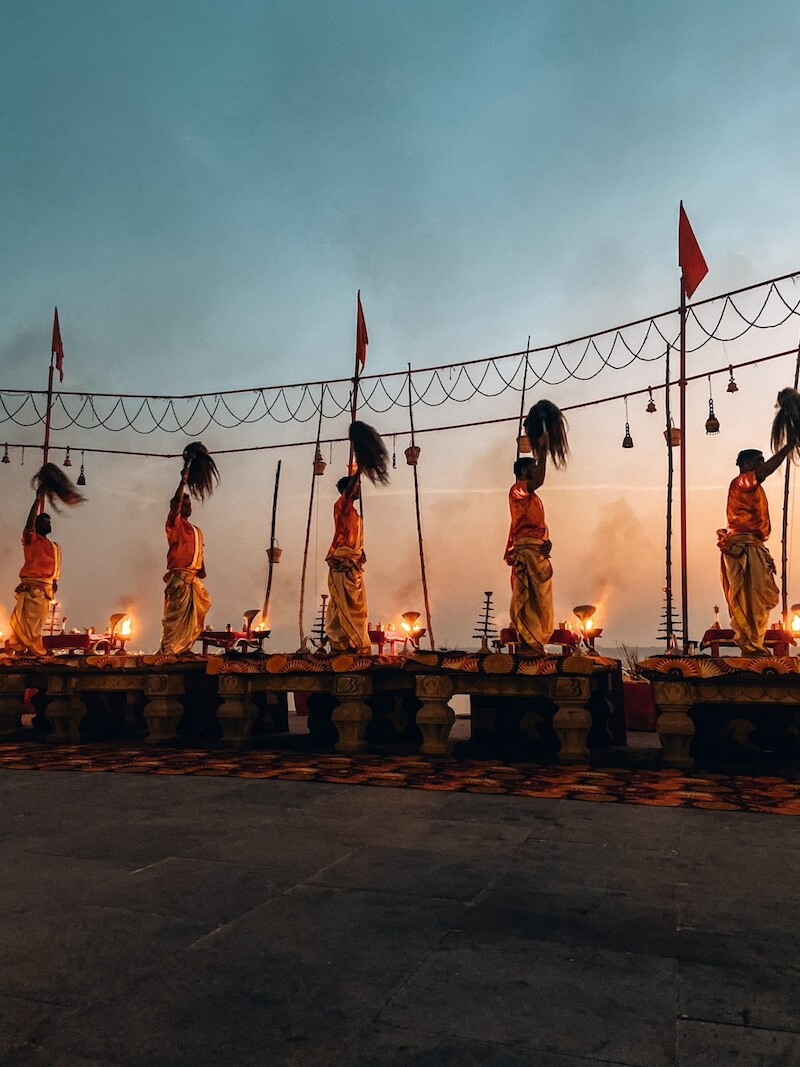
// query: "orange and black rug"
[[671, 789]]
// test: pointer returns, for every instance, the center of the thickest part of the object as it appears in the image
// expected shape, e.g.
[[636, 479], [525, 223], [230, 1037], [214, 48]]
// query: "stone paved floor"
[[192, 921]]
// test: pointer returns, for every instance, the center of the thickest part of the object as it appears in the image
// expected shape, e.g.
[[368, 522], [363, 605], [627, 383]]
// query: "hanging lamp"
[[712, 422], [627, 440]]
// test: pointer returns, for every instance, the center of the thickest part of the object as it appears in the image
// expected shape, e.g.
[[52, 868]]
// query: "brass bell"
[[627, 440], [5, 458], [67, 460]]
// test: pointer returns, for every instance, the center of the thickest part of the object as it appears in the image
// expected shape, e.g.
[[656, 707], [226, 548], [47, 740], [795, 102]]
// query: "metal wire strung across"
[[722, 318]]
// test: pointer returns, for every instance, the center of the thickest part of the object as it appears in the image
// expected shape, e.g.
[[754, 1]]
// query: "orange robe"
[[186, 599], [41, 568], [346, 616], [528, 554], [747, 569]]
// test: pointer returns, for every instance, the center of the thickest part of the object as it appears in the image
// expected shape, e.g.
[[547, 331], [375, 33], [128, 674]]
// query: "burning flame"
[[126, 629], [263, 624], [588, 625], [795, 623]]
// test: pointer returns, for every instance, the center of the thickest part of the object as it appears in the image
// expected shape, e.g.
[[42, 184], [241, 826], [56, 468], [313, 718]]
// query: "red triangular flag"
[[690, 259], [361, 335], [57, 348]]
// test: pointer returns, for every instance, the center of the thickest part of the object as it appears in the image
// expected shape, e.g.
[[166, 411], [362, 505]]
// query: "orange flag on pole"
[[690, 259], [361, 335], [57, 348]]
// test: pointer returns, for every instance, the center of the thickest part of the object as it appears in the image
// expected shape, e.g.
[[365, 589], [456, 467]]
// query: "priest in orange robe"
[[186, 599], [747, 569], [528, 554], [346, 617], [38, 583]]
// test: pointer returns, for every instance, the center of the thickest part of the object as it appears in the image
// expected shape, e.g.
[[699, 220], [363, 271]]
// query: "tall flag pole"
[[522, 398], [785, 521], [362, 340], [56, 363], [669, 632], [693, 270]]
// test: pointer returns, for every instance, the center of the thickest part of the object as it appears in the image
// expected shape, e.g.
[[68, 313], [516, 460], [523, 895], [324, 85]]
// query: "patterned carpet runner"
[[672, 789]]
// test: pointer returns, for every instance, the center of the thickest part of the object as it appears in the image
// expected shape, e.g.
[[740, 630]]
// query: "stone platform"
[[691, 692], [578, 696]]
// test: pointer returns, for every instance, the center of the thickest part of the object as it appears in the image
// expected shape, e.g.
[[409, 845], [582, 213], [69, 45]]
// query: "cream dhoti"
[[186, 604], [747, 571], [346, 616], [34, 597], [531, 607]]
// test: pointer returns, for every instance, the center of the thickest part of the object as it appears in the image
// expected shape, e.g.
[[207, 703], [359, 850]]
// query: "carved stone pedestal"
[[435, 718], [163, 710], [676, 731], [12, 697], [65, 710], [238, 711], [351, 715], [572, 720]]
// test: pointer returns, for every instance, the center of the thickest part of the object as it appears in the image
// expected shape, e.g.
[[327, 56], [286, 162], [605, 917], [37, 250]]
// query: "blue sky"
[[202, 188]]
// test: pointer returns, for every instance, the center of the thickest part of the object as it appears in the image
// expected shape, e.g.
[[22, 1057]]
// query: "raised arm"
[[31, 520], [538, 466], [352, 490], [175, 503], [770, 465]]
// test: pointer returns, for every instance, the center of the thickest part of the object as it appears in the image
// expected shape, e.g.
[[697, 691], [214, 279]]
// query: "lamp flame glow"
[[585, 615], [126, 629]]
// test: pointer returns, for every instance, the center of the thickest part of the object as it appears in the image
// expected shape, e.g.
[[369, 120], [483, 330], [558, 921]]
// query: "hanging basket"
[[523, 445], [673, 437], [412, 455], [274, 553], [319, 464]]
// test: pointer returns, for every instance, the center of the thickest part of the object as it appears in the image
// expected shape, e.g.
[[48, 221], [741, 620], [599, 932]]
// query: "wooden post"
[[265, 609], [423, 573]]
